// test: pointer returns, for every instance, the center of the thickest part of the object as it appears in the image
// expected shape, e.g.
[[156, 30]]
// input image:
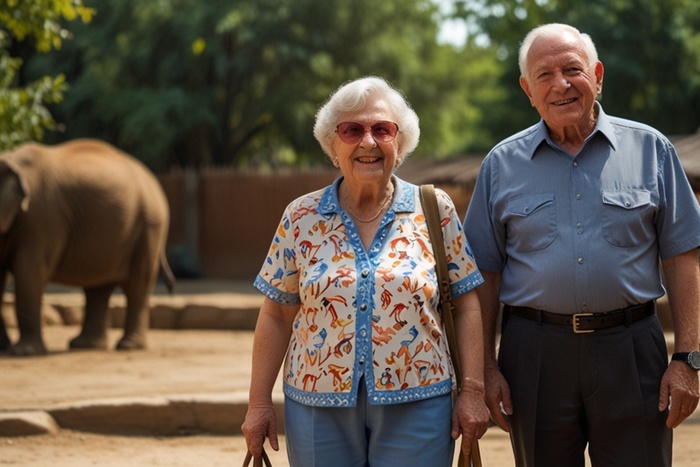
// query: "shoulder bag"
[[432, 219]]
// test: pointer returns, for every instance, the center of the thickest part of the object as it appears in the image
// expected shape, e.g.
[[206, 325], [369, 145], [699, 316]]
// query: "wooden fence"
[[222, 221]]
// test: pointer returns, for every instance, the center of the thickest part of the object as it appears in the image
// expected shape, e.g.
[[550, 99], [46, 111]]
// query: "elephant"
[[84, 214]]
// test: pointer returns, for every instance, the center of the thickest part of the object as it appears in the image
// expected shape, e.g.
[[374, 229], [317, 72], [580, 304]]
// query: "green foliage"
[[23, 112], [650, 50], [41, 20], [238, 82]]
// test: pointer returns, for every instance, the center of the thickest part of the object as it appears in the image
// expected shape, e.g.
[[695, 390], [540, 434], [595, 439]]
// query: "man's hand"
[[679, 393], [498, 397]]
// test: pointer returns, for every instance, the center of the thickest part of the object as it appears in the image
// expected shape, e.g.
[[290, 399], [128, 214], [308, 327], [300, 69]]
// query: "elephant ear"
[[14, 194]]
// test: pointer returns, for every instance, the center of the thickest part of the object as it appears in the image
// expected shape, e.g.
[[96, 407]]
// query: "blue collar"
[[404, 198], [603, 127]]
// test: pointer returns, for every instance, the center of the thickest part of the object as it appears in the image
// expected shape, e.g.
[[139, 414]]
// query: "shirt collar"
[[404, 199], [602, 126]]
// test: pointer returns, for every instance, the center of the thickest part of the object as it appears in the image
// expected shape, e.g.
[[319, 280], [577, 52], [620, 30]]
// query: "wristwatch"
[[692, 358]]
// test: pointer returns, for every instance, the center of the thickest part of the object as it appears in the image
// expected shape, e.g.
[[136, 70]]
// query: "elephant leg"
[[4, 338], [137, 317], [28, 312], [94, 331], [139, 285]]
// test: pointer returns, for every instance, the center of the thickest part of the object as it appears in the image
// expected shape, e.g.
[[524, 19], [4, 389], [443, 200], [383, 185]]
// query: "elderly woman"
[[351, 306]]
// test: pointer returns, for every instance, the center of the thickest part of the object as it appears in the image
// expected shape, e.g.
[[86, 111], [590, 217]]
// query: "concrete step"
[[194, 305]]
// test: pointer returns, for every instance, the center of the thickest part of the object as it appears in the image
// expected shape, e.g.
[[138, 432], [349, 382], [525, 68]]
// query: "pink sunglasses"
[[353, 132]]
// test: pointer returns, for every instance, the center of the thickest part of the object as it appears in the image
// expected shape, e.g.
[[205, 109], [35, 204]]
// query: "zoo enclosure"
[[225, 219]]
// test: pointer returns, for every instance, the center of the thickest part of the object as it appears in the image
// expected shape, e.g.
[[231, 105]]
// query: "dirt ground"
[[177, 363], [77, 449]]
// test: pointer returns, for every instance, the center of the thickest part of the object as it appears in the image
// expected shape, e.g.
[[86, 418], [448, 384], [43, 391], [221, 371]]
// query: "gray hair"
[[353, 96], [554, 30]]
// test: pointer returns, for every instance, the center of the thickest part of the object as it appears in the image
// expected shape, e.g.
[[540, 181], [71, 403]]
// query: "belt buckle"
[[575, 322]]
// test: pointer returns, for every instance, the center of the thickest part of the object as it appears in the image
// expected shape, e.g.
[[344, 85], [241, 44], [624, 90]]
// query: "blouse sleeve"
[[461, 265], [279, 277]]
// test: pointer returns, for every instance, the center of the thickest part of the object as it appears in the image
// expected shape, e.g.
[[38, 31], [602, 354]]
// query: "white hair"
[[353, 96], [554, 30]]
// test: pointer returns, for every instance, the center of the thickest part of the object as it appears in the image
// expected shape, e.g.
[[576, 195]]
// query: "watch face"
[[694, 359]]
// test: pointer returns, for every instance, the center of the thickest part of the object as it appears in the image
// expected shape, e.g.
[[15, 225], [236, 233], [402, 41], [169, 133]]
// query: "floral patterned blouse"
[[370, 313]]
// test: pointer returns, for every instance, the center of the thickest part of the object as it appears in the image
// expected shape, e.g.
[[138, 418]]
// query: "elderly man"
[[571, 223]]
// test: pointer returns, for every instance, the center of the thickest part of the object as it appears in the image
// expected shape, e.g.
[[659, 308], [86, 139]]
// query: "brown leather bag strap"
[[428, 199], [257, 461], [432, 219]]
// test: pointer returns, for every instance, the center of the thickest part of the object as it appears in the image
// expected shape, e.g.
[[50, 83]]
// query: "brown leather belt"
[[586, 322]]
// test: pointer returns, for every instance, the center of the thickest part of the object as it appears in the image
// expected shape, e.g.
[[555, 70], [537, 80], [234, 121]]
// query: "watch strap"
[[680, 356], [692, 359]]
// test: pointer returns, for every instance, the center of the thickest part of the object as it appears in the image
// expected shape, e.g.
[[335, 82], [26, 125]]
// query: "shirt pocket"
[[624, 217], [531, 221]]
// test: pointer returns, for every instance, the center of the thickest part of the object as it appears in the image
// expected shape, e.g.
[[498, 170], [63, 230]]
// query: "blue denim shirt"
[[582, 233]]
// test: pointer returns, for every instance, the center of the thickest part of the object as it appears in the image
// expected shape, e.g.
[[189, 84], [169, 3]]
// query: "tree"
[[649, 50], [23, 111], [238, 82]]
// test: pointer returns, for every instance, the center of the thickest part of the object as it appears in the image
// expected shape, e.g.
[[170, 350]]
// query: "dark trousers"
[[598, 390]]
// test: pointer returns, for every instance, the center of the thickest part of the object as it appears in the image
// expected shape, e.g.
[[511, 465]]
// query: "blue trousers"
[[411, 434]]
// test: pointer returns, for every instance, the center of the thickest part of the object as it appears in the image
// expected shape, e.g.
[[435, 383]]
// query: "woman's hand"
[[272, 334], [259, 423], [470, 416]]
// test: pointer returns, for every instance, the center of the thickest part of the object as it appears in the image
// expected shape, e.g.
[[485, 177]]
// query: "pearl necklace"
[[381, 208]]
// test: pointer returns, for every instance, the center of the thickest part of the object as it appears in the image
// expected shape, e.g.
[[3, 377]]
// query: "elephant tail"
[[166, 273]]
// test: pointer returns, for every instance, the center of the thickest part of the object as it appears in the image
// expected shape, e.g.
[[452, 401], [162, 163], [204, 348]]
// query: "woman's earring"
[[336, 163]]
